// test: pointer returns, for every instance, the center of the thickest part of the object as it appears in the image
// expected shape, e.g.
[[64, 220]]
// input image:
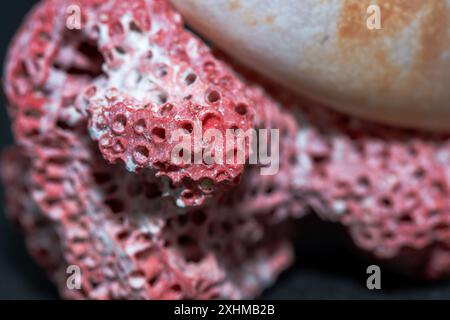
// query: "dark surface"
[[326, 266]]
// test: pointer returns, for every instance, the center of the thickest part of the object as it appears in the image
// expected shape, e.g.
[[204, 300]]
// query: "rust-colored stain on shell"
[[433, 24], [270, 19], [248, 14], [234, 5], [396, 15]]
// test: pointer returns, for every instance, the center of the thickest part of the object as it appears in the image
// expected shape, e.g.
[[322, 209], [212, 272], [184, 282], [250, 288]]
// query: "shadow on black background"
[[326, 266]]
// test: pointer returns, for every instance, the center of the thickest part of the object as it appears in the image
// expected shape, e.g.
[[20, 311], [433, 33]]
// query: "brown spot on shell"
[[358, 43], [395, 16], [234, 5], [270, 19]]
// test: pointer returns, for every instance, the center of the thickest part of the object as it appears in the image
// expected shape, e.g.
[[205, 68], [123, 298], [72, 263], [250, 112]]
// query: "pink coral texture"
[[92, 181]]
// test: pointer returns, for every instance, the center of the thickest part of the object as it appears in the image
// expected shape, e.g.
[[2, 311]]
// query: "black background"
[[326, 265]]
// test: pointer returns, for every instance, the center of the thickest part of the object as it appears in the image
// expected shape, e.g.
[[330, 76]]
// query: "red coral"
[[131, 243], [118, 89], [121, 228], [156, 78], [390, 187], [160, 79]]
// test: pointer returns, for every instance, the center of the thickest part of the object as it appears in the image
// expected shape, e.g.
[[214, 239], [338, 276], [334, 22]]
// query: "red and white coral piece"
[[123, 228], [159, 78], [389, 187]]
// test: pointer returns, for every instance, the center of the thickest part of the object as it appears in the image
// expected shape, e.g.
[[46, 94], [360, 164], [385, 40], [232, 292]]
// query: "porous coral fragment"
[[143, 78], [128, 80], [123, 229], [389, 187], [161, 80]]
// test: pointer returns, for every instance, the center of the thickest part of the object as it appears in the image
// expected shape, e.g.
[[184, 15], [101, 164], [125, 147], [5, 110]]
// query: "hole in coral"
[[319, 159], [226, 226], [176, 287], [412, 151], [270, 189], [188, 127], [162, 98], [134, 189], [386, 202], [405, 218], [210, 121], [211, 229], [190, 79], [140, 126], [233, 129], [213, 96], [61, 124], [198, 217], [254, 192], [389, 235], [209, 66], [44, 36], [191, 251], [134, 27], [116, 205], [117, 28], [293, 160], [33, 113], [241, 109], [119, 124], [32, 132], [92, 70], [162, 71], [439, 187], [419, 173], [57, 160], [120, 50], [207, 185], [188, 195], [153, 280], [102, 177], [159, 134], [118, 147], [166, 109], [112, 189], [122, 235], [144, 254], [441, 227], [22, 70], [51, 201], [141, 154], [182, 220], [364, 181], [151, 190]]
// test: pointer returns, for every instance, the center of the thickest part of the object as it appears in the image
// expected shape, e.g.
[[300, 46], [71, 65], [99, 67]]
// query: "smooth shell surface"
[[399, 74]]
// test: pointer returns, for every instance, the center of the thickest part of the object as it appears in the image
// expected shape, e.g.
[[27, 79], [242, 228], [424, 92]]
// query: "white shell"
[[399, 74]]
